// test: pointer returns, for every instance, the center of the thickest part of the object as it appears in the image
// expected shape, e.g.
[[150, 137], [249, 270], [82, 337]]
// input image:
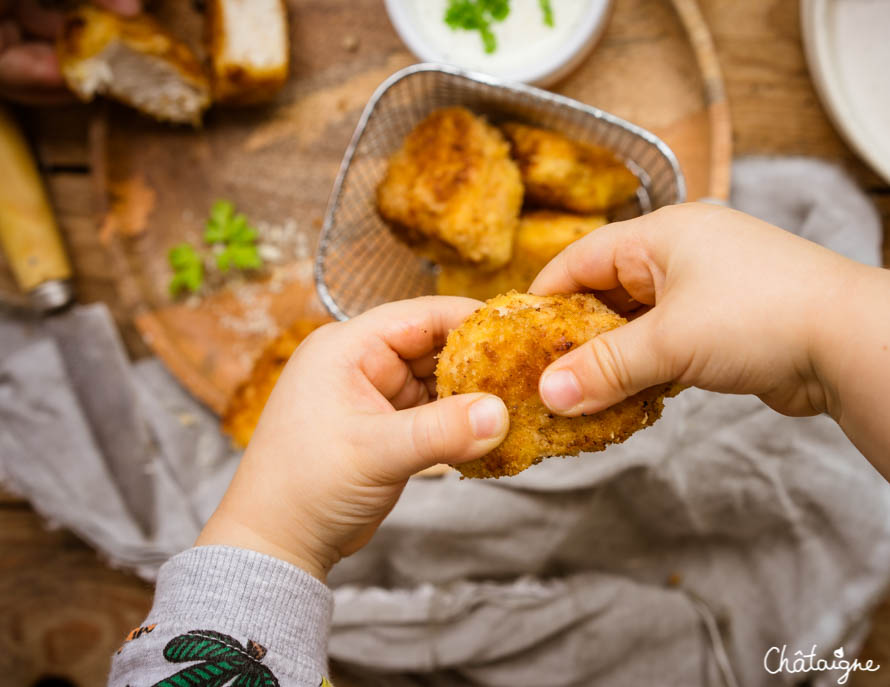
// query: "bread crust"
[[240, 83]]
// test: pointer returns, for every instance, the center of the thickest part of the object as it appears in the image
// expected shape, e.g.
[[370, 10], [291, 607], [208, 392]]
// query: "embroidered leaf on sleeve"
[[220, 659], [202, 645], [259, 678], [206, 674]]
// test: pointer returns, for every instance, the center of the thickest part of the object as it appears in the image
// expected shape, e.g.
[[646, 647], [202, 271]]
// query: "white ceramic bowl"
[[847, 51], [556, 64]]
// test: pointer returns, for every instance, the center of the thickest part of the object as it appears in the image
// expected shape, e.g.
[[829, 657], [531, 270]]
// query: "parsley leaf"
[[244, 256], [477, 15], [233, 231], [224, 226], [499, 9], [236, 239], [188, 269], [547, 10]]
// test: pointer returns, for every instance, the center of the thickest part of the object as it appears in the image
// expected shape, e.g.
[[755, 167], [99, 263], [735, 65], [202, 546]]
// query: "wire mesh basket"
[[361, 264]]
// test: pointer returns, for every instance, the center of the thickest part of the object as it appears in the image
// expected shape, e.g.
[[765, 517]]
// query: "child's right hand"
[[739, 307], [350, 420]]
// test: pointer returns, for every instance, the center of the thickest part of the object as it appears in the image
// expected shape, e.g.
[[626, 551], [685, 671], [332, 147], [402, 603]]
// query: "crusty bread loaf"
[[133, 60], [249, 49]]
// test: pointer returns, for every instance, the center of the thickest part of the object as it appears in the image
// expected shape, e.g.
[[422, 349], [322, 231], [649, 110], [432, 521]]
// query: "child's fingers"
[[413, 393], [413, 328], [588, 263], [628, 255], [609, 368], [425, 366], [451, 430]]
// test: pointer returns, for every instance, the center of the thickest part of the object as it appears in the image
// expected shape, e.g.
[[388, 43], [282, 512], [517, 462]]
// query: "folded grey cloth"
[[678, 558], [119, 454]]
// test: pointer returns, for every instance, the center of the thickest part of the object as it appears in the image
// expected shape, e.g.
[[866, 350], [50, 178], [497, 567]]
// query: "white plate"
[[847, 44], [545, 69]]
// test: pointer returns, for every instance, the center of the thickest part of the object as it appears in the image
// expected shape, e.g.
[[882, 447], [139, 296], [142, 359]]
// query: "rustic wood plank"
[[73, 198], [775, 108], [58, 134], [62, 610]]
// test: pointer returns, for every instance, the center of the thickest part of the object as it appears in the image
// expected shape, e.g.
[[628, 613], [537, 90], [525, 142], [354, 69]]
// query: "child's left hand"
[[348, 423]]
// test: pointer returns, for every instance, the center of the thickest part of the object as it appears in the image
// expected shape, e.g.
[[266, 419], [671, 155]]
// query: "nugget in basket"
[[452, 190], [504, 347], [568, 175], [541, 236]]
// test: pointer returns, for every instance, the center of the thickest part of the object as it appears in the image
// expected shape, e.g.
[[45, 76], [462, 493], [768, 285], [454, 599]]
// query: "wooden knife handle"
[[29, 234]]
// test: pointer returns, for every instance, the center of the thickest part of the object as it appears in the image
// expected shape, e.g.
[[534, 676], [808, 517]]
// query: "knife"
[[88, 342]]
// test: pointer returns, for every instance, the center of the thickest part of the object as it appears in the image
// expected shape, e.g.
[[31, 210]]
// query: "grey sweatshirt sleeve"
[[221, 613]]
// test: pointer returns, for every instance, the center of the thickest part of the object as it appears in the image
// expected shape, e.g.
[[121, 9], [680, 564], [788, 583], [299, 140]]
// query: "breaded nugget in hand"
[[504, 347], [565, 174], [541, 236], [452, 190]]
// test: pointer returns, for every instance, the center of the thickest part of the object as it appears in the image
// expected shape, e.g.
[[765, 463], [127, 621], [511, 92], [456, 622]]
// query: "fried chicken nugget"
[[453, 191], [542, 234], [565, 174], [504, 347]]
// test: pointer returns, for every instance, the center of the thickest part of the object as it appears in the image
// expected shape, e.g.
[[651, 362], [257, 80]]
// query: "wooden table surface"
[[63, 611]]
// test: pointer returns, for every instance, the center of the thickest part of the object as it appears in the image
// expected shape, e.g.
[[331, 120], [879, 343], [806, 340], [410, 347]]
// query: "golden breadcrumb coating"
[[541, 236], [247, 403], [452, 190], [248, 48], [565, 174], [504, 347]]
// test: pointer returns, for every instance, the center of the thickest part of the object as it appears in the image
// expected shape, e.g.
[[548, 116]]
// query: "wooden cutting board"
[[655, 67]]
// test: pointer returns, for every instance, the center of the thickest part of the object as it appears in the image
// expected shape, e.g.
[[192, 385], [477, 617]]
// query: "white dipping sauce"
[[523, 40]]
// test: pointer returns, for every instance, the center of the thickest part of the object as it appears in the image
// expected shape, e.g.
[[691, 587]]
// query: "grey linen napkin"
[[723, 530], [118, 453]]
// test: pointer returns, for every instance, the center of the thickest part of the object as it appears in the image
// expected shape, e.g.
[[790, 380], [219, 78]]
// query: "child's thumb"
[[606, 369], [451, 430]]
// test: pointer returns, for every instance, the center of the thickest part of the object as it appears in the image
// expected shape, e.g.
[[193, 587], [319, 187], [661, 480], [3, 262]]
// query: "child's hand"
[[349, 421], [740, 307]]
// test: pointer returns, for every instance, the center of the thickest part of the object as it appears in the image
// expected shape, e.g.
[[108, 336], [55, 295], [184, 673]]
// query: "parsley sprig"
[[234, 240], [479, 15], [547, 11], [231, 230], [188, 269]]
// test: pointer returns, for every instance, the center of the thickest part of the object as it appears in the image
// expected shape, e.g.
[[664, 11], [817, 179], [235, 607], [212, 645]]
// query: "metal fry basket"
[[361, 264]]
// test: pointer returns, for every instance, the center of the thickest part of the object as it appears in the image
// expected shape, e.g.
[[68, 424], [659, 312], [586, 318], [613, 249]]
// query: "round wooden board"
[[655, 66]]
